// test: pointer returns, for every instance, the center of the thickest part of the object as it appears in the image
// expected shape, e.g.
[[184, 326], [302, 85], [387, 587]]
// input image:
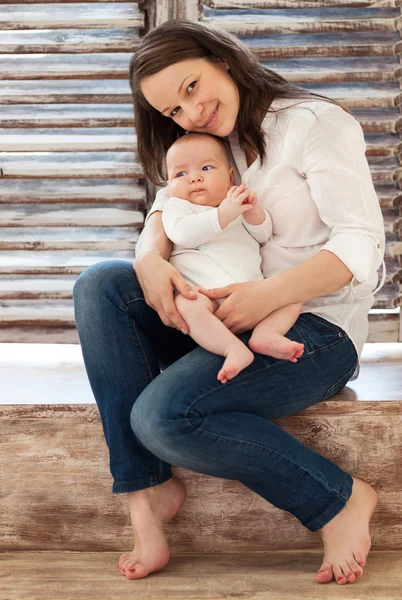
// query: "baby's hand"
[[239, 200]]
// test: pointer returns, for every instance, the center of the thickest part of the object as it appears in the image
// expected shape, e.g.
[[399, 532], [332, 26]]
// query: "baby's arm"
[[186, 228], [256, 220]]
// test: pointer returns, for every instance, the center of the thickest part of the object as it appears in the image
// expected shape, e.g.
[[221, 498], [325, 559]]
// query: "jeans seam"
[[253, 445]]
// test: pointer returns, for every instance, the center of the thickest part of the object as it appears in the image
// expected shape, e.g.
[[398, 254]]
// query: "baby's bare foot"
[[274, 344], [238, 357], [346, 537], [150, 510]]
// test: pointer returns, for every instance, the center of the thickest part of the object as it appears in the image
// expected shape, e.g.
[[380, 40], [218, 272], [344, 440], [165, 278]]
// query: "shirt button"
[[378, 246]]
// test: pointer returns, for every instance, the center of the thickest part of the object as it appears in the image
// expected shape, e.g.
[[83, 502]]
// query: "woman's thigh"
[[269, 387]]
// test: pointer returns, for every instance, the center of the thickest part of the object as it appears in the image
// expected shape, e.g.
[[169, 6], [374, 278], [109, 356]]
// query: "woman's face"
[[197, 94]]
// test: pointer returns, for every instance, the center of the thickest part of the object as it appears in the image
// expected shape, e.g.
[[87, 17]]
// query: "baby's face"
[[199, 171]]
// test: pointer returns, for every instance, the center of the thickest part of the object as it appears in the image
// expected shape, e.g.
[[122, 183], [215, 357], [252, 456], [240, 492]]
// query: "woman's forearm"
[[153, 237], [321, 275]]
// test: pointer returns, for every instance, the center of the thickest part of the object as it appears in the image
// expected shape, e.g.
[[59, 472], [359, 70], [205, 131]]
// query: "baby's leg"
[[268, 335], [210, 333]]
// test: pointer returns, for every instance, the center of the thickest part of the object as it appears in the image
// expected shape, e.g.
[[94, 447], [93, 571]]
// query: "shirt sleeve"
[[261, 233], [187, 228], [161, 197], [338, 174]]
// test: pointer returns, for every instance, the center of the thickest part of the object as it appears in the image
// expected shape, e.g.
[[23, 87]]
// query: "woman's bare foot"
[[346, 537], [238, 357], [274, 344], [150, 510]]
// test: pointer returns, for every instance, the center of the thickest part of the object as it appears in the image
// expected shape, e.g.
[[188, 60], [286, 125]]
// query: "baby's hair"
[[192, 135]]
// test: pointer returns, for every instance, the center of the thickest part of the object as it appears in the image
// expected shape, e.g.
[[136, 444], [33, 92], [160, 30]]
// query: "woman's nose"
[[194, 114]]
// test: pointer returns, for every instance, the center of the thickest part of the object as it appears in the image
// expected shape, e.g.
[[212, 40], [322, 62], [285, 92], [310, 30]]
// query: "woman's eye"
[[175, 110], [207, 167]]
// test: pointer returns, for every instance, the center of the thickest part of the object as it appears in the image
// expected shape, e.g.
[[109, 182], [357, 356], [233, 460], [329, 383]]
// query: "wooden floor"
[[258, 576]]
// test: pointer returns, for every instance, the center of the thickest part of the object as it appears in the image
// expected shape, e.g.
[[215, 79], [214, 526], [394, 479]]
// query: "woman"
[[304, 155]]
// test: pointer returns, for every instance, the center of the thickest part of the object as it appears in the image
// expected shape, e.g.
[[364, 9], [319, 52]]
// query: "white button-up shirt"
[[315, 183]]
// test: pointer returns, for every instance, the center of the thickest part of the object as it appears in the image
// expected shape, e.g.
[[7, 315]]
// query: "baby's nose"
[[196, 177]]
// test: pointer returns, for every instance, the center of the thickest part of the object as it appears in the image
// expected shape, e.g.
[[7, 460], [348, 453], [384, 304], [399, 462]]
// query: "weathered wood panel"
[[104, 65], [48, 191], [255, 576], [297, 23], [81, 140], [66, 115], [78, 92], [102, 15], [56, 262], [330, 45], [341, 429], [72, 238], [69, 215], [68, 164], [254, 4], [68, 40]]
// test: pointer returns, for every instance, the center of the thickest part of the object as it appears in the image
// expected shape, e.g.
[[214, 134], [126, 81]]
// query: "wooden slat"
[[381, 120], [382, 328], [68, 238], [298, 22], [392, 220], [24, 312], [388, 297], [37, 288], [57, 262], [103, 15], [38, 334], [104, 191], [341, 44], [247, 4], [109, 65], [65, 164], [69, 215], [394, 270], [68, 140], [360, 95], [66, 115], [383, 144], [384, 170], [68, 40], [103, 65], [389, 196], [50, 92], [325, 70]]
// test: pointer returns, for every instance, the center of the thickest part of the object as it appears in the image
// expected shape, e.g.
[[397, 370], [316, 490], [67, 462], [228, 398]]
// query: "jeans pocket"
[[336, 387]]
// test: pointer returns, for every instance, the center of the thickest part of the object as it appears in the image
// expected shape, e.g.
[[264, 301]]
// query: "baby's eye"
[[207, 167], [180, 174]]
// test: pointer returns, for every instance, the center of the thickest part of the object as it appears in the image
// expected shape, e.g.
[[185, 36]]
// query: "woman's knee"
[[100, 278], [157, 419]]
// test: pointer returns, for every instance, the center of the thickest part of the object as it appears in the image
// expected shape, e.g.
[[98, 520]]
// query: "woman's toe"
[[339, 575], [325, 574]]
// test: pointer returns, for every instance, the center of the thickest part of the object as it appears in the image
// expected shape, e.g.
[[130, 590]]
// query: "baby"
[[216, 229]]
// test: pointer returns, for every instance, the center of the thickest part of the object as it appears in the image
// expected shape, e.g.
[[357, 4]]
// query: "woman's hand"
[[246, 304], [158, 279]]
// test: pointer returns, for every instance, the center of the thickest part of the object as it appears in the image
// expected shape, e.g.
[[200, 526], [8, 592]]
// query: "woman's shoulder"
[[292, 108], [304, 112]]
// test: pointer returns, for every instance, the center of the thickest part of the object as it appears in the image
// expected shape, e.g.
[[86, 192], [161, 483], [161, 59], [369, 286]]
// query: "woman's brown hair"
[[175, 41]]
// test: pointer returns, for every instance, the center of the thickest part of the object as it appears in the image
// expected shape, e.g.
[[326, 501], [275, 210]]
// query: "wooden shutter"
[[348, 50], [71, 189]]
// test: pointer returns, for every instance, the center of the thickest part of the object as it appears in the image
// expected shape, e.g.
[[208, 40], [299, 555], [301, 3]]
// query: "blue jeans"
[[184, 416]]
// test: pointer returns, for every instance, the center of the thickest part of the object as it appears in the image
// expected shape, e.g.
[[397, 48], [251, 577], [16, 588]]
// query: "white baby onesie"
[[207, 255]]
